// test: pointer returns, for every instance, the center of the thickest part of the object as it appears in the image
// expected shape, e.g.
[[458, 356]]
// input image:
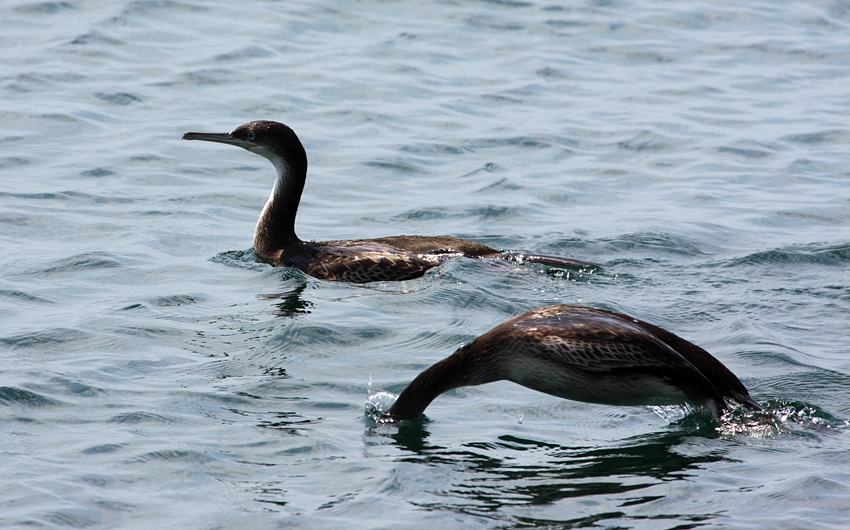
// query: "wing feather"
[[361, 262], [594, 340]]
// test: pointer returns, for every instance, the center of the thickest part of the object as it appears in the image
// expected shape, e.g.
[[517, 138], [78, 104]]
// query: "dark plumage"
[[361, 260], [583, 354]]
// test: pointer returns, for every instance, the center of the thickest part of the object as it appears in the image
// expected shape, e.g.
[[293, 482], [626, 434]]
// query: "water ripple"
[[140, 417], [657, 242], [241, 259], [814, 254], [81, 263], [19, 396], [47, 8], [25, 297], [50, 340]]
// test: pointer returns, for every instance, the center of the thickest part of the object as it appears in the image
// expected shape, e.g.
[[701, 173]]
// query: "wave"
[[814, 253]]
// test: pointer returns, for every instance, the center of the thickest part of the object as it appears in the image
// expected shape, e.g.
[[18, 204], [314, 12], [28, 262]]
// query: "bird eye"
[[251, 135]]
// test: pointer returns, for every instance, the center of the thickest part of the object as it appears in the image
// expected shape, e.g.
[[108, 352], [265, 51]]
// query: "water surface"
[[155, 374]]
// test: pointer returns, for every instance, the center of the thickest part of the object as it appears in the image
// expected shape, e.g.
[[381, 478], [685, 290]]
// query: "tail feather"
[[747, 401], [544, 259]]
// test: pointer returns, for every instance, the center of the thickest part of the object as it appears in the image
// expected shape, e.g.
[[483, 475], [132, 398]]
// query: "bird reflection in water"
[[499, 479]]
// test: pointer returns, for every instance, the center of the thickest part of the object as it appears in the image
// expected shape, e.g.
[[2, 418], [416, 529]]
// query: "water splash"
[[377, 404], [779, 417]]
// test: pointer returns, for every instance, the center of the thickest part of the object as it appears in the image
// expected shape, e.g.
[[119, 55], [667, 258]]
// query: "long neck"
[[276, 226], [468, 366]]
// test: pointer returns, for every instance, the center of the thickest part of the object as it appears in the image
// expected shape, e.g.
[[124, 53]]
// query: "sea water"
[[156, 374]]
